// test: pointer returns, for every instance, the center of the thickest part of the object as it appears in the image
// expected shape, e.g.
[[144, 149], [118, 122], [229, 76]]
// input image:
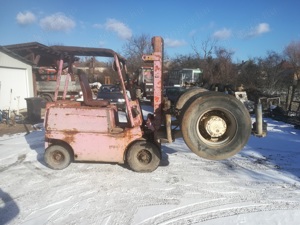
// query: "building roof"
[[37, 53], [15, 56], [86, 51], [43, 55]]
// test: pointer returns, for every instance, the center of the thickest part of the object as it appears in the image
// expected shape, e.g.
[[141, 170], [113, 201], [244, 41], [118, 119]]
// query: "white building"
[[16, 80]]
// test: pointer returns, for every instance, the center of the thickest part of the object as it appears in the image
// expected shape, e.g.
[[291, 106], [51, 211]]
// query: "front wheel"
[[58, 157], [143, 156], [216, 126]]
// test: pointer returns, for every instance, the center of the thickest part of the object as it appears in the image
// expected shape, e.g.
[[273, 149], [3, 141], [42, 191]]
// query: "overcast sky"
[[248, 28]]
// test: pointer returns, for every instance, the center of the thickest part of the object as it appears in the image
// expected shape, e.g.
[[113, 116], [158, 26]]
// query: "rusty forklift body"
[[213, 125]]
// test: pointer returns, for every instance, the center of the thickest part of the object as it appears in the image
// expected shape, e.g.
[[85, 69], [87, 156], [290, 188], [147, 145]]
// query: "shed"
[[16, 80]]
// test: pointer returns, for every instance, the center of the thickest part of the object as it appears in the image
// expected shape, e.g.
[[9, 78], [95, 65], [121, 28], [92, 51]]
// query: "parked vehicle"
[[46, 80], [143, 85], [184, 77], [113, 94], [178, 79]]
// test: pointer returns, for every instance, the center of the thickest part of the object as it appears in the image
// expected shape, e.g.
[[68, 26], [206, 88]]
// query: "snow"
[[260, 185]]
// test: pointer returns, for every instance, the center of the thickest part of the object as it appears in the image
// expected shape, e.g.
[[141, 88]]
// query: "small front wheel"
[[143, 156], [58, 157]]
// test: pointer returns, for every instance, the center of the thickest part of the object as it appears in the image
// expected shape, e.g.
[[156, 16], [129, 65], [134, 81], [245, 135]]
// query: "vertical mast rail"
[[157, 59], [60, 66]]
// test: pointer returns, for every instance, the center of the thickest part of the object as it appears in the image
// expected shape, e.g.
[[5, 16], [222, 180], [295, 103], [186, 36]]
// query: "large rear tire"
[[143, 156], [216, 126], [186, 96]]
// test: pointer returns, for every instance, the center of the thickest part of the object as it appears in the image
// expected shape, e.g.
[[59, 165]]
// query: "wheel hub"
[[57, 156], [215, 126], [144, 157]]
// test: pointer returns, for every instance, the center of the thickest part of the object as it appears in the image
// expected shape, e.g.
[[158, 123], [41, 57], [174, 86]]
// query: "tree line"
[[271, 74]]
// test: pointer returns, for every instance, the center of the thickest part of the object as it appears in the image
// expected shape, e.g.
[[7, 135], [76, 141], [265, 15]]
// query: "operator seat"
[[87, 93]]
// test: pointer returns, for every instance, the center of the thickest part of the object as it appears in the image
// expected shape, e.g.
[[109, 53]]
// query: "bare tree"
[[272, 75], [184, 61], [224, 69], [249, 74], [134, 49], [206, 47], [292, 52], [204, 53]]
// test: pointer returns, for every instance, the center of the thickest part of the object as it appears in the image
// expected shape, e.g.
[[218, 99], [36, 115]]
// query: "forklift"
[[214, 125]]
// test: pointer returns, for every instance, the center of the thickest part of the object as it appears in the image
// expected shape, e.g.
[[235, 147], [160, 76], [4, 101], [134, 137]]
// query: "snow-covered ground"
[[260, 185]]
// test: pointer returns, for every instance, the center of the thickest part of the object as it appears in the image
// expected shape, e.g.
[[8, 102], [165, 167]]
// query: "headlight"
[[121, 100]]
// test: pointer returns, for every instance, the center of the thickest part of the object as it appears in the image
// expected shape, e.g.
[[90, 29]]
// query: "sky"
[[248, 28]]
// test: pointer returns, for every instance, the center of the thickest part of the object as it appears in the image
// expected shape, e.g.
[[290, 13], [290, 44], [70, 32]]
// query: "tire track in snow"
[[125, 215], [220, 213], [250, 194], [118, 212], [30, 165], [215, 209], [20, 159], [49, 213]]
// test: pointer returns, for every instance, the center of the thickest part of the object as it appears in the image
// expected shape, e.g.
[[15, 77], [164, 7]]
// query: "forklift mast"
[[157, 58]]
